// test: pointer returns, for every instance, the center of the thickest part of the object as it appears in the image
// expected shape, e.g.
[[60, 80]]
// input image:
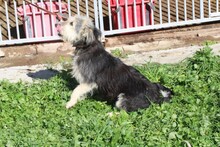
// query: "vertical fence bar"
[[152, 12], [168, 9], [100, 16], [87, 8], [69, 9], [52, 18], [118, 11], [143, 12], [16, 20], [126, 13], [177, 11], [25, 20], [34, 18], [109, 15], [77, 5], [96, 14], [209, 5], [135, 13], [7, 20], [0, 32], [101, 22], [201, 9], [60, 6], [42, 17], [160, 11], [217, 6], [185, 11], [193, 9]]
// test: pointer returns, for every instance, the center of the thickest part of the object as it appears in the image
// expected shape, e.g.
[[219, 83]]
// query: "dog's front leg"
[[80, 93]]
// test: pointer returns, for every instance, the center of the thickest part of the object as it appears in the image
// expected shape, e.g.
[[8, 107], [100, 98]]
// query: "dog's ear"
[[89, 36], [97, 34]]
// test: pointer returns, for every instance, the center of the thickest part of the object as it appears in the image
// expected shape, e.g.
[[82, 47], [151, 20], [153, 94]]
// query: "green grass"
[[35, 114], [119, 53], [209, 42]]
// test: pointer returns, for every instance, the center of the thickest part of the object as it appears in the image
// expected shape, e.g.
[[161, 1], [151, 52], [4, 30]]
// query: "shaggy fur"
[[98, 71]]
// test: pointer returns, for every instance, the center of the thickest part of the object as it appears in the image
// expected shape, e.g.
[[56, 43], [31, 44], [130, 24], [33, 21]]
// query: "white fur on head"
[[79, 30]]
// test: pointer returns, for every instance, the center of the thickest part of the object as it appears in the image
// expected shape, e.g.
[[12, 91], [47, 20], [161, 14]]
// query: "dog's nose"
[[58, 28]]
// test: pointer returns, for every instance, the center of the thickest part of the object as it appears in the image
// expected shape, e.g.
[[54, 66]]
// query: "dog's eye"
[[71, 23]]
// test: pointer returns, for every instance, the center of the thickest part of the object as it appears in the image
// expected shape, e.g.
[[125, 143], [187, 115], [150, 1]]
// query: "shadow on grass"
[[43, 74], [66, 75], [46, 74]]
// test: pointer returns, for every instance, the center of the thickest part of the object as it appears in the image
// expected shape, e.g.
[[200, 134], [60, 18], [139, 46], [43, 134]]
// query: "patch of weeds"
[[49, 65], [119, 53], [209, 42], [65, 62]]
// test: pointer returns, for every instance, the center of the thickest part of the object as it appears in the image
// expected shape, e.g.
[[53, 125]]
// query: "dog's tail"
[[165, 92]]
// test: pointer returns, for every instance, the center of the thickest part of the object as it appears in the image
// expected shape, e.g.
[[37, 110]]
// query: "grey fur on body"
[[98, 71]]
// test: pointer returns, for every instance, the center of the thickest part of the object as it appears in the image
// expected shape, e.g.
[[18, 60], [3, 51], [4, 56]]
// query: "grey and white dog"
[[98, 71]]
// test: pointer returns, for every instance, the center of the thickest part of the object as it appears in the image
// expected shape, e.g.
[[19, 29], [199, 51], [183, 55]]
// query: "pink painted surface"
[[31, 11]]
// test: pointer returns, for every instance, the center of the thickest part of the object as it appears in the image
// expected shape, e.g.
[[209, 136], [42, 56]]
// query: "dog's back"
[[116, 80]]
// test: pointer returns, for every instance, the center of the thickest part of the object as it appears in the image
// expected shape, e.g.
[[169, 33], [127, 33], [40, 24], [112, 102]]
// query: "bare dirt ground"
[[43, 71], [30, 62]]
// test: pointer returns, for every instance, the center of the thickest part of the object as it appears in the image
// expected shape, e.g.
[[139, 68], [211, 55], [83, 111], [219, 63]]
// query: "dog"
[[97, 71]]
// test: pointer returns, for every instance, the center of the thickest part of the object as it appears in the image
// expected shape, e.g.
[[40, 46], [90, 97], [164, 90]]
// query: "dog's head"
[[78, 30]]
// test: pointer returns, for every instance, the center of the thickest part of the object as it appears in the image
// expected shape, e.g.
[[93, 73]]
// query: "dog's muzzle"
[[58, 28]]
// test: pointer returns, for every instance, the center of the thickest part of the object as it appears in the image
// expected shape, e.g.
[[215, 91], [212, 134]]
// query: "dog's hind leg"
[[80, 93], [131, 103], [121, 101]]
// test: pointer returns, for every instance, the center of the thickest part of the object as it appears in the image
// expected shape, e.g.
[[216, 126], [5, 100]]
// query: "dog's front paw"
[[69, 105]]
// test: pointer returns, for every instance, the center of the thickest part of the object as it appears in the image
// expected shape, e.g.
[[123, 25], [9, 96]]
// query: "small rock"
[[2, 54]]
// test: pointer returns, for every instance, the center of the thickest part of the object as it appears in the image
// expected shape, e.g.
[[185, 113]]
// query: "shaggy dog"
[[98, 71]]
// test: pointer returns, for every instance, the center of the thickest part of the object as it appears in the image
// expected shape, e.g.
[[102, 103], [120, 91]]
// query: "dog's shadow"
[[43, 74], [46, 74], [66, 75]]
